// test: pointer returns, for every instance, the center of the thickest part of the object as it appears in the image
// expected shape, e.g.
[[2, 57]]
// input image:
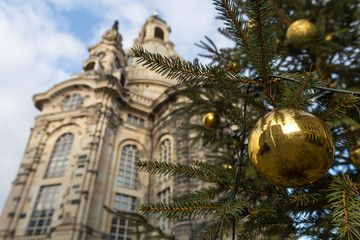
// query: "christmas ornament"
[[251, 23], [291, 148], [328, 38], [355, 157], [300, 33], [211, 121], [232, 67]]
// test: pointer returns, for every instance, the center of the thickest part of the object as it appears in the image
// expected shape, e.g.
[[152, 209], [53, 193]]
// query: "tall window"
[[164, 197], [128, 175], [72, 101], [44, 209], [60, 156], [119, 227], [164, 156]]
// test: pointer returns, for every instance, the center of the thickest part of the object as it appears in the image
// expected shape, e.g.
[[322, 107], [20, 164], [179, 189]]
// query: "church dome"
[[153, 37]]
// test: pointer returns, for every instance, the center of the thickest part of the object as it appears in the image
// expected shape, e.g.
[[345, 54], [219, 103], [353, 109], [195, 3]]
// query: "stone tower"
[[82, 150]]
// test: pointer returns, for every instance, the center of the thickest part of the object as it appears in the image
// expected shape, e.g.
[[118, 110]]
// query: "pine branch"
[[274, 195], [230, 15], [282, 16], [138, 220], [234, 209], [209, 233], [276, 78], [298, 94], [213, 51], [320, 72], [133, 216], [237, 117], [339, 108], [304, 199], [216, 170], [179, 210], [262, 39], [347, 138], [179, 169], [240, 94], [183, 71], [344, 201], [259, 21], [301, 89], [202, 195]]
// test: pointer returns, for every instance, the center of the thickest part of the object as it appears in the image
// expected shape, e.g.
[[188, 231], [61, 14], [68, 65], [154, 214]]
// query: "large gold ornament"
[[355, 157], [291, 148], [211, 121], [300, 33]]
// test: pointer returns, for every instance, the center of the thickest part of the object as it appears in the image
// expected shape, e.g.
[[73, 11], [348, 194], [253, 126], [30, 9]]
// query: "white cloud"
[[31, 47]]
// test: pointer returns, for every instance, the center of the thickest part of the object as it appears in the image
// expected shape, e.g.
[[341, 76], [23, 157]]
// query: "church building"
[[83, 148]]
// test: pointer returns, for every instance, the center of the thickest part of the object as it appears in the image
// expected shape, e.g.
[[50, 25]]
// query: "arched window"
[[159, 33], [164, 156], [128, 175], [60, 156], [72, 101]]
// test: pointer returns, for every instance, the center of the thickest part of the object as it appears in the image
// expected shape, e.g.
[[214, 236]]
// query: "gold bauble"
[[251, 23], [232, 67], [355, 157], [300, 33], [291, 148], [211, 121], [328, 38]]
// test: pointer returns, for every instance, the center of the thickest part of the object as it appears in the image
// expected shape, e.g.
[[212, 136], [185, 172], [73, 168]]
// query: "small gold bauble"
[[232, 67], [291, 148], [211, 121], [300, 33], [251, 23], [328, 38], [355, 157]]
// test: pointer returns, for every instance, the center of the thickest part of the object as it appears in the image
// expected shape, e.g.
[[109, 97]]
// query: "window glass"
[[72, 101], [128, 175], [120, 228], [60, 156], [45, 205], [164, 156], [164, 197], [135, 120]]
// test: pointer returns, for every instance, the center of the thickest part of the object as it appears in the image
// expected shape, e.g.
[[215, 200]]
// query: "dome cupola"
[[154, 37]]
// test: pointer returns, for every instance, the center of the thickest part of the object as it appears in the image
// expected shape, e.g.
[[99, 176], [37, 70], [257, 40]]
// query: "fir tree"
[[261, 72]]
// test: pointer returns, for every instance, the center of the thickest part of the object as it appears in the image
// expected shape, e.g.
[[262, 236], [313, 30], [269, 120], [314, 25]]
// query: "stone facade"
[[81, 152]]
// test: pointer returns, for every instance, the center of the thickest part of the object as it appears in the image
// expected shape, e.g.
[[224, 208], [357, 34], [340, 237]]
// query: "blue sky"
[[43, 42]]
